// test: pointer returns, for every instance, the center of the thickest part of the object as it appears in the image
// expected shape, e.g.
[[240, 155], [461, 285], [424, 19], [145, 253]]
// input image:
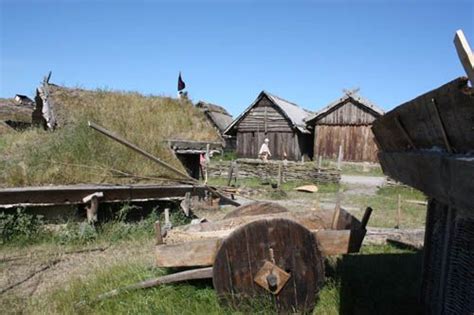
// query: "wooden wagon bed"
[[196, 244]]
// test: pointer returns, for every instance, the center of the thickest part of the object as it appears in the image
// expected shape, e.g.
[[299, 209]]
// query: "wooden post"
[[208, 160], [93, 208], [339, 157], [337, 211], [231, 170], [279, 175], [465, 54], [168, 224], [158, 236], [320, 160], [399, 211]]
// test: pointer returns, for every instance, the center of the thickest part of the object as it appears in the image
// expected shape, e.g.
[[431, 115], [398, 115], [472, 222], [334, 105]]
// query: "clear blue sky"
[[304, 51]]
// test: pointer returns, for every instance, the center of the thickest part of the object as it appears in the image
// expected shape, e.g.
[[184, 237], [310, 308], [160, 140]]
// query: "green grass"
[[74, 153], [385, 205], [381, 279]]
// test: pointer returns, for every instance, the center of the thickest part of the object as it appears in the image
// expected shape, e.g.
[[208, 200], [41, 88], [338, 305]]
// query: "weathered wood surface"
[[255, 208], [73, 194], [266, 120], [357, 142], [188, 254], [348, 112], [202, 252], [465, 54], [455, 103], [446, 178], [194, 274], [245, 251], [312, 220]]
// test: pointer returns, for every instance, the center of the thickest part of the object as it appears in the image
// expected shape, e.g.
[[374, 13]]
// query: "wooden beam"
[[465, 54], [74, 194], [194, 274], [202, 252]]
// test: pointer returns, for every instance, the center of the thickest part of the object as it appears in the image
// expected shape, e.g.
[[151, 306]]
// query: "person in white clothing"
[[264, 152]]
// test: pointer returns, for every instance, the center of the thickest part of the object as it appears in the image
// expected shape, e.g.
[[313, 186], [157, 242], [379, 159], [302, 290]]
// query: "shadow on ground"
[[380, 283]]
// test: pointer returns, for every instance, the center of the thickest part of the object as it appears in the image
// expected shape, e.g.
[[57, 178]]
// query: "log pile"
[[251, 168]]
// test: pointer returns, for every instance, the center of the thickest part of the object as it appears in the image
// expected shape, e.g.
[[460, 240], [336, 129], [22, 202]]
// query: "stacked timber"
[[428, 143], [256, 168]]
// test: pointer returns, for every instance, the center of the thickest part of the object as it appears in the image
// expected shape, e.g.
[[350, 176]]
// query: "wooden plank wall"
[[264, 117], [348, 113], [248, 144], [264, 120], [357, 141]]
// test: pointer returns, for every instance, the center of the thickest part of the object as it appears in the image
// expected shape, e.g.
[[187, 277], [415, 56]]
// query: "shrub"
[[20, 226]]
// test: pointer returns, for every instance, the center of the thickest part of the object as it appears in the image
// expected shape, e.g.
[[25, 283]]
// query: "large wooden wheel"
[[275, 258]]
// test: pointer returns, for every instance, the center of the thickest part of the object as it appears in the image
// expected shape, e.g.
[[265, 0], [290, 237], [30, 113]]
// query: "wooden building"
[[428, 143], [279, 120], [345, 122], [220, 119]]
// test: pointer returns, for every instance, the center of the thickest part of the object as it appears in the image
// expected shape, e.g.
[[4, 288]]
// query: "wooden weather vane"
[[350, 92]]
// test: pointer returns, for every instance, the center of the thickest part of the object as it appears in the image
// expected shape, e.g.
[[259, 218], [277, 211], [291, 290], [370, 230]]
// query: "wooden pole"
[[193, 274], [158, 236], [130, 145], [337, 211], [320, 161], [399, 211], [339, 157], [465, 54], [279, 175]]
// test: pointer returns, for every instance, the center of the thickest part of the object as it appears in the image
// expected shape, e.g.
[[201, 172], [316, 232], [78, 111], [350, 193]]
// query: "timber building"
[[279, 120], [345, 122]]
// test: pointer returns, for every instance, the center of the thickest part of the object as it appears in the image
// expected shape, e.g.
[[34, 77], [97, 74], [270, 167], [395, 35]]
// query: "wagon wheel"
[[256, 208], [278, 259]]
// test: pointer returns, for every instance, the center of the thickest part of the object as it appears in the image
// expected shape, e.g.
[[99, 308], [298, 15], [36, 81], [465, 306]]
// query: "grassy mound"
[[74, 153]]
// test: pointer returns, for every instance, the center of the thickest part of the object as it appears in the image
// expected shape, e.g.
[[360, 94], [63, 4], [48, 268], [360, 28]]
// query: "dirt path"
[[29, 274]]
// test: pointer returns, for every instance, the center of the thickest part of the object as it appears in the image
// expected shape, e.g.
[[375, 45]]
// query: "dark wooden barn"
[[345, 122], [220, 119], [279, 120], [428, 143]]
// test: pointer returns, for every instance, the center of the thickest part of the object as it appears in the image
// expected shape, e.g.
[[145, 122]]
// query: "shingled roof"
[[216, 114], [295, 114], [346, 97]]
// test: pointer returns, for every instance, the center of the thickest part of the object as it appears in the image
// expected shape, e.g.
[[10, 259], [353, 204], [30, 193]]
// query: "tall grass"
[[75, 153]]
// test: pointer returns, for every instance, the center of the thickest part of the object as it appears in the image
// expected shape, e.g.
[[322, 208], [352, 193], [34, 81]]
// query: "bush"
[[20, 226]]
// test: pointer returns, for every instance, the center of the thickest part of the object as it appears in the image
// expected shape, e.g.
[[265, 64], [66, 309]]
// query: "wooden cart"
[[261, 250]]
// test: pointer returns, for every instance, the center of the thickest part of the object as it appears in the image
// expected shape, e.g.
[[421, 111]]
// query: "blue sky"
[[228, 51]]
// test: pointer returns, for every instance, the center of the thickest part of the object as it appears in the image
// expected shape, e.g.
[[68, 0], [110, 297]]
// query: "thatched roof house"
[[346, 122], [216, 114], [277, 119]]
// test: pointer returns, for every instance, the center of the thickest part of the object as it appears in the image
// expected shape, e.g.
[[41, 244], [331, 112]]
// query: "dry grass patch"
[[75, 153]]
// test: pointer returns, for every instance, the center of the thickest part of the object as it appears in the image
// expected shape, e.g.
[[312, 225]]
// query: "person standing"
[[264, 152]]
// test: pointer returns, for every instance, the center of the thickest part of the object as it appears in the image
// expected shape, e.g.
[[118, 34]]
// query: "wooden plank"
[[465, 54], [441, 176], [202, 252], [194, 274], [188, 254], [73, 194], [455, 104]]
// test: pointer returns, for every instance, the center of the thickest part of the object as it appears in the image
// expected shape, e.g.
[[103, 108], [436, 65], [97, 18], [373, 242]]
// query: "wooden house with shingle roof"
[[346, 122], [277, 119]]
